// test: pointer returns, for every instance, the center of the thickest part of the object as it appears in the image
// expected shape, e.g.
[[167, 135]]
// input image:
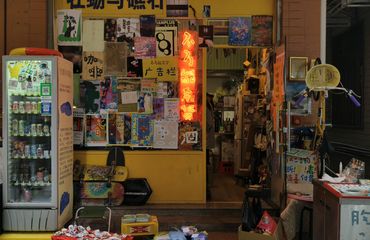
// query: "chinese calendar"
[[187, 65], [93, 66]]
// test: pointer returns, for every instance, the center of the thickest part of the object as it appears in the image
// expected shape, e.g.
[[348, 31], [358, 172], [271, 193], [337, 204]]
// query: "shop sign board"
[[354, 222], [161, 68]]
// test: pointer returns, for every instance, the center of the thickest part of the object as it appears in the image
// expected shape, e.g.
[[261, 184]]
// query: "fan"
[[322, 76]]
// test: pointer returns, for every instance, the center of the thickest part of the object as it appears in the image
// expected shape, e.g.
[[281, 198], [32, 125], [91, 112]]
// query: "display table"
[[24, 235], [341, 211]]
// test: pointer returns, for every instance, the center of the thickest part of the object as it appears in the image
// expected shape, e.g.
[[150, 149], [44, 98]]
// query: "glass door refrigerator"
[[38, 142]]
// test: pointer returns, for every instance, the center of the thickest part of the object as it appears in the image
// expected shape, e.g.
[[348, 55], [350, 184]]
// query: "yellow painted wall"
[[174, 176]]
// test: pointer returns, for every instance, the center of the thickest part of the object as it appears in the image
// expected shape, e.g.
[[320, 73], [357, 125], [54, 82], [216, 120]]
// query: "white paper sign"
[[93, 36], [129, 97], [355, 222], [165, 134], [171, 109]]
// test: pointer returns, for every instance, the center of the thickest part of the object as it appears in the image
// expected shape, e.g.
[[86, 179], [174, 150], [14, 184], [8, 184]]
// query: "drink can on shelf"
[[27, 194], [39, 129], [34, 107], [39, 152], [46, 130], [28, 107], [15, 107], [21, 128], [27, 151], [14, 127], [27, 129], [34, 129], [34, 151], [21, 107], [46, 154]]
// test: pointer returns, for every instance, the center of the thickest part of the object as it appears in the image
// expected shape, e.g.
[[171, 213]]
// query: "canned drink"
[[27, 130], [34, 129], [34, 107], [28, 107], [39, 152], [39, 129], [22, 149], [27, 151], [46, 130], [21, 107], [34, 151], [21, 127], [15, 107], [14, 127], [27, 194]]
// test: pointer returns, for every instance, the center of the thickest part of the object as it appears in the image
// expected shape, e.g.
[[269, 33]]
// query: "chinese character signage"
[[355, 221], [188, 76], [93, 66], [114, 8], [161, 68]]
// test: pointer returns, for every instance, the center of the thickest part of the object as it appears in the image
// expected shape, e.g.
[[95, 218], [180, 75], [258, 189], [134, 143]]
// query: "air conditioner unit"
[[356, 3]]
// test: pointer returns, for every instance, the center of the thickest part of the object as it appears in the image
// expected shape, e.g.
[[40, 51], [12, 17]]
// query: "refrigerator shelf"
[[31, 136], [27, 113], [29, 184], [29, 158], [25, 95]]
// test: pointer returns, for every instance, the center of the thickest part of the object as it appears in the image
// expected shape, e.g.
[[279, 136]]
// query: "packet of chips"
[[267, 224]]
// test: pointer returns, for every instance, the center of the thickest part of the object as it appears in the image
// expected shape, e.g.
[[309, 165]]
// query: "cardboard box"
[[140, 228]]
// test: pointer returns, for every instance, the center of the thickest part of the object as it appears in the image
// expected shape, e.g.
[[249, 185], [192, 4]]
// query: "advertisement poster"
[[300, 166], [116, 128], [127, 30], [142, 130], [240, 31], [93, 36], [262, 30], [110, 30], [161, 91], [69, 27], [90, 96], [145, 47], [171, 109], [165, 134], [108, 94], [189, 136], [117, 55], [145, 102], [93, 66], [128, 89], [158, 108], [148, 85], [161, 68], [166, 37], [292, 92], [147, 25], [96, 130], [134, 67], [78, 126], [205, 36]]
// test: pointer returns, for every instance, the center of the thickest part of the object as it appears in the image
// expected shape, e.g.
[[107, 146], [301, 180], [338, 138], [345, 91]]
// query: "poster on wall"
[[117, 55], [90, 96], [205, 36], [145, 102], [74, 55], [110, 30], [145, 47], [158, 108], [240, 31], [161, 91], [108, 94], [96, 130], [262, 30], [116, 128], [128, 93], [171, 109], [134, 67], [190, 136], [147, 25], [142, 130], [127, 30], [93, 35], [78, 126], [148, 85], [93, 66], [176, 8], [166, 37], [165, 134], [69, 27], [292, 93], [161, 68]]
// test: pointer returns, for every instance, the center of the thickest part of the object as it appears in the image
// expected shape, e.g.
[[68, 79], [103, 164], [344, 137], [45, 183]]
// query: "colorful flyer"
[[145, 102], [145, 47], [108, 94], [161, 68], [116, 128], [142, 130], [96, 130], [262, 30], [78, 126], [147, 25], [110, 30], [93, 36], [165, 134], [117, 55], [93, 66], [166, 37], [69, 27], [240, 31], [127, 30], [158, 108], [134, 67], [161, 91], [205, 36], [148, 85], [90, 96], [171, 109]]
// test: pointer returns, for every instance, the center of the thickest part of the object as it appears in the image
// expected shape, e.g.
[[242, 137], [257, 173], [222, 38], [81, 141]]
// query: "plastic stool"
[[310, 212], [94, 212]]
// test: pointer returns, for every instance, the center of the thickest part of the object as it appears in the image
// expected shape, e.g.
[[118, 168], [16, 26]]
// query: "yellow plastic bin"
[[140, 228]]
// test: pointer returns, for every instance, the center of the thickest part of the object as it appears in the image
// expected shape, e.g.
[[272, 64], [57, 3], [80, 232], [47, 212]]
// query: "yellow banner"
[[161, 68], [114, 8]]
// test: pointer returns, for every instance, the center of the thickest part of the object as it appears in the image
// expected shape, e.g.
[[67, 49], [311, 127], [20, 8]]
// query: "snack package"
[[267, 224]]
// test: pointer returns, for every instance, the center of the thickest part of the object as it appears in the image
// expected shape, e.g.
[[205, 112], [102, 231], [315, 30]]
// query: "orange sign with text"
[[188, 76]]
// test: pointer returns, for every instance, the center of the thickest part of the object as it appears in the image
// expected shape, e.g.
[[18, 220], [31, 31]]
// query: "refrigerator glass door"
[[28, 116]]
